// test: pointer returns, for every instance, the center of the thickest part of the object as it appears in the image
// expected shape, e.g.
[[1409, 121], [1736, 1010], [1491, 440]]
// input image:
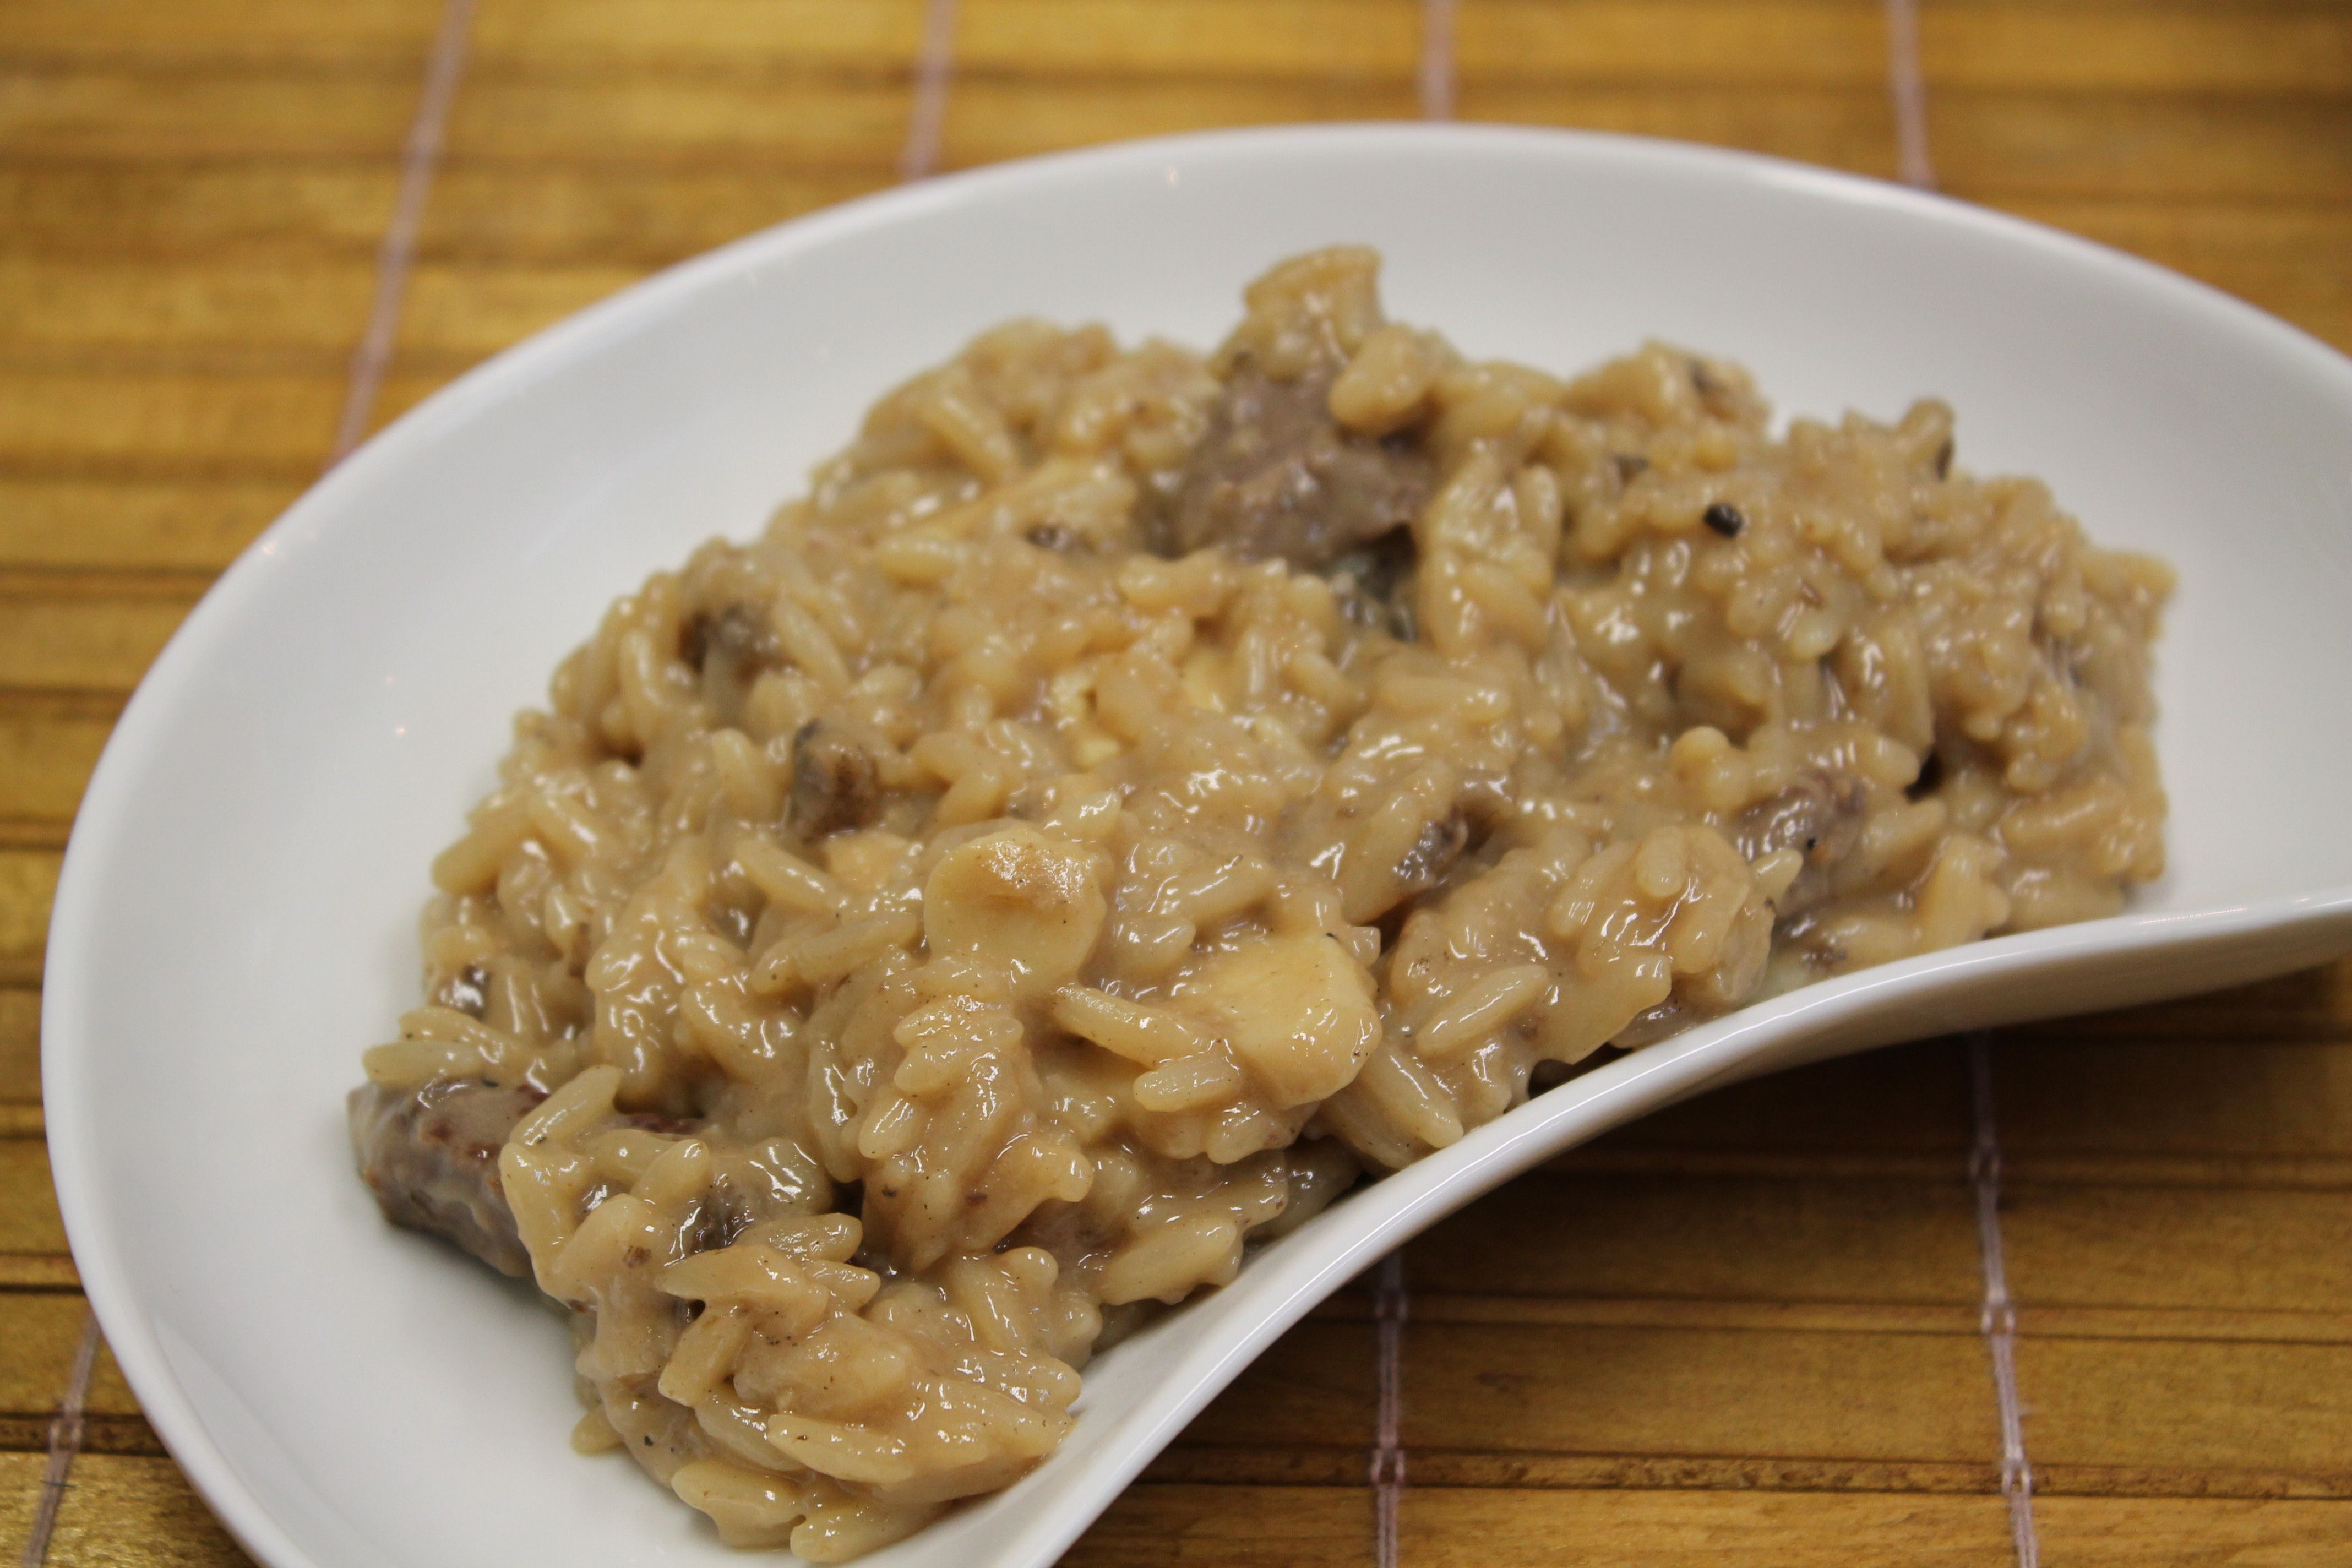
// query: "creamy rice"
[[1135, 795]]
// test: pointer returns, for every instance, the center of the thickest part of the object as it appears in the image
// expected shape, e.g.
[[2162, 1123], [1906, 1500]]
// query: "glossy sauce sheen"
[[1133, 795]]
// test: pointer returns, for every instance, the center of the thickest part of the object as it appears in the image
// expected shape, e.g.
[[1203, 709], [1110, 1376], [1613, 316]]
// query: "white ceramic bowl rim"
[[78, 948]]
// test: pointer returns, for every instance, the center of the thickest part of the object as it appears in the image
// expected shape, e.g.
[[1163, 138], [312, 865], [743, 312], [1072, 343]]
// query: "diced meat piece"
[[1433, 853], [1374, 583], [835, 786], [739, 634], [1820, 816], [728, 649], [431, 1157], [1275, 478]]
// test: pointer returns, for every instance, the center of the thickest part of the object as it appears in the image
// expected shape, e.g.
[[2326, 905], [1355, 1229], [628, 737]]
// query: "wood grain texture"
[[1998, 143], [93, 642], [287, 33], [177, 524], [1741, 1331], [1707, 1239], [1319, 40], [1680, 44], [20, 1046], [1632, 1528], [615, 209], [47, 748], [876, 36], [766, 115], [29, 1225], [1845, 128], [185, 421], [119, 111], [135, 1512], [44, 1328], [2206, 49], [989, 118]]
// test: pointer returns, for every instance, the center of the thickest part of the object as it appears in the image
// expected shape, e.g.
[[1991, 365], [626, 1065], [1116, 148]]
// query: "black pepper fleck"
[[1943, 459], [1725, 518]]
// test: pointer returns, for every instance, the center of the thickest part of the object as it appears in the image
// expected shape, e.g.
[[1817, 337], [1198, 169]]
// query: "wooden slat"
[[1445, 1527], [392, 33], [55, 423], [1701, 43], [2189, 1407], [71, 302], [2310, 1003], [989, 120], [1456, 1528], [29, 1225], [28, 880], [2000, 145], [1433, 1304], [2212, 1097], [20, 1046], [125, 113], [2129, 1532], [788, 118], [47, 751], [1762, 1394], [2281, 48], [42, 1329], [85, 644], [614, 212], [251, 209], [180, 524], [1706, 1239], [458, 314], [1322, 39], [876, 37], [406, 388], [2251, 1251], [1908, 1103], [1312, 1389], [1846, 127], [1158, 1526], [116, 1500]]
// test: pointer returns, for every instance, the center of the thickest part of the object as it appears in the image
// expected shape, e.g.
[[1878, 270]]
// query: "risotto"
[[1135, 794]]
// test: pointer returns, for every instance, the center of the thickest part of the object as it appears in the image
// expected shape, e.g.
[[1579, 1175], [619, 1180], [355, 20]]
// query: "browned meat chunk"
[[1820, 816], [1433, 853], [728, 649], [1374, 583], [1275, 478], [431, 1157], [834, 783], [738, 635]]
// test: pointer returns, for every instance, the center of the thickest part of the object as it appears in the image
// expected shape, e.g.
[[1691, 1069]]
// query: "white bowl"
[[234, 920]]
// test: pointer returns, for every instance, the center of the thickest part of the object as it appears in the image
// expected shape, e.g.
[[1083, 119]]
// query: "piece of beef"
[[1433, 853], [1275, 478], [1374, 583], [836, 785], [431, 1157], [1820, 816], [738, 635]]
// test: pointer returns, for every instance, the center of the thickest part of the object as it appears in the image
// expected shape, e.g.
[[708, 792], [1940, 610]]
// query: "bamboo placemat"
[[1751, 1330]]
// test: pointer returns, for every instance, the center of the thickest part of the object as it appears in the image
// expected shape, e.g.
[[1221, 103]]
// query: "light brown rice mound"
[[919, 942]]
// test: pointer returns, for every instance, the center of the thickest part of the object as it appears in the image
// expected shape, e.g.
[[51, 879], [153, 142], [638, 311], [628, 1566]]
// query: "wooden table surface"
[[1747, 1332]]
